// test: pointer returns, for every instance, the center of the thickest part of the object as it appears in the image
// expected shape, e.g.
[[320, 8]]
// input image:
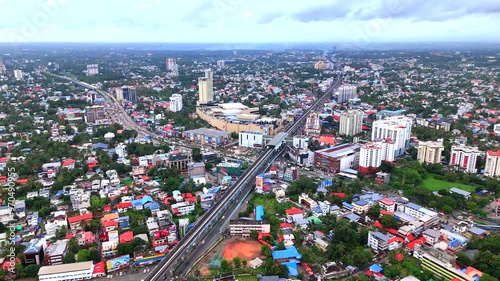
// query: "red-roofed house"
[[109, 225], [123, 207], [75, 222], [387, 204], [338, 194], [295, 214], [127, 237], [68, 163], [411, 246]]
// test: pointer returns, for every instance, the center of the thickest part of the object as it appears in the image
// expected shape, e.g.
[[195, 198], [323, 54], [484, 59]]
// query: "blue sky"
[[241, 21]]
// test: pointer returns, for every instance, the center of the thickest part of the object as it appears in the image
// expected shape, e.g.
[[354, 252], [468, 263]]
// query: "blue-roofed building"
[[34, 252], [361, 206], [123, 222], [376, 268], [259, 212], [352, 217], [347, 206], [292, 267], [137, 204], [153, 206], [478, 231], [100, 145], [286, 255]]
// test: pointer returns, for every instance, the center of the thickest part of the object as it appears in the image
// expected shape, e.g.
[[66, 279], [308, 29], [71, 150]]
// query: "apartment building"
[[430, 151], [351, 122], [54, 253], [492, 166], [395, 128], [243, 228], [464, 157], [379, 242]]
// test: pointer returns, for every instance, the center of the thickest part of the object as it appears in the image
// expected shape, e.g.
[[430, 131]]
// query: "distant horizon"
[[249, 22]]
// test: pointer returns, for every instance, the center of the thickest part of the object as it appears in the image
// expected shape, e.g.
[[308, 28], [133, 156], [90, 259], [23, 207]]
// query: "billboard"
[[259, 181], [118, 263]]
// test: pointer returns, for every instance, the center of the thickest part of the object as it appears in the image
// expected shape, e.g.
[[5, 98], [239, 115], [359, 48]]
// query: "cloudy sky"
[[241, 21]]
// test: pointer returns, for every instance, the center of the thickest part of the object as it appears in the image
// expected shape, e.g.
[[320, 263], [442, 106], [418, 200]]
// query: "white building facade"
[[351, 122], [251, 139], [395, 128], [492, 166], [464, 157], [176, 103]]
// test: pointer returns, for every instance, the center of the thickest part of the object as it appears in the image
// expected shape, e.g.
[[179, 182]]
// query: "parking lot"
[[131, 274]]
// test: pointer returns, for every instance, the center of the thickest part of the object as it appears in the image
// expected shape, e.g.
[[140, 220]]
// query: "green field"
[[433, 184]]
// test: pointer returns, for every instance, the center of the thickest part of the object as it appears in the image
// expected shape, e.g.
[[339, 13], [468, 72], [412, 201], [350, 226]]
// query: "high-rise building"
[[492, 166], [176, 103], [372, 154], [18, 74], [92, 69], [206, 88], [171, 65], [351, 122], [464, 157], [313, 125], [430, 151], [346, 93], [321, 65], [395, 128], [3, 69], [221, 63], [129, 94], [95, 114]]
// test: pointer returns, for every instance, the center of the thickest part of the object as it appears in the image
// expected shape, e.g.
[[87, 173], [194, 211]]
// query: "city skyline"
[[237, 21]]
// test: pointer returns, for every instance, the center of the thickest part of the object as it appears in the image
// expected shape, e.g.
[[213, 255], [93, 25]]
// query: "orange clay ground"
[[245, 250]]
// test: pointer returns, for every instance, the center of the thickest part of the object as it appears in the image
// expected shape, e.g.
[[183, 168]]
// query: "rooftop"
[[62, 268]]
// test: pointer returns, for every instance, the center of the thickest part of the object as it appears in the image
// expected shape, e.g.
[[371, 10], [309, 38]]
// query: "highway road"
[[216, 219], [118, 113]]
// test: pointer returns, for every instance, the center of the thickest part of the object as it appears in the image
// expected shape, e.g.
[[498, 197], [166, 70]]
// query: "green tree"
[[447, 209], [83, 255], [265, 251], [225, 266], [30, 270], [237, 262], [69, 258], [388, 221], [196, 154], [374, 212], [125, 249]]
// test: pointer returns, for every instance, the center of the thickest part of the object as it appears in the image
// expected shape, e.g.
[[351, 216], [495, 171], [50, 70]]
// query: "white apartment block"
[[351, 122], [430, 151], [92, 69], [221, 63], [300, 142], [380, 242], [243, 228], [251, 139], [346, 93], [182, 208], [176, 103], [492, 166], [464, 157], [372, 154], [395, 128], [171, 64], [18, 74]]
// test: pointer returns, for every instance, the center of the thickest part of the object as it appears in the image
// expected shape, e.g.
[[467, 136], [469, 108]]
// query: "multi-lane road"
[[118, 113], [213, 223]]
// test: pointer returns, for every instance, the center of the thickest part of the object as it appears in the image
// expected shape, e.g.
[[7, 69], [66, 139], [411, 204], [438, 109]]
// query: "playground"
[[227, 250], [246, 250]]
